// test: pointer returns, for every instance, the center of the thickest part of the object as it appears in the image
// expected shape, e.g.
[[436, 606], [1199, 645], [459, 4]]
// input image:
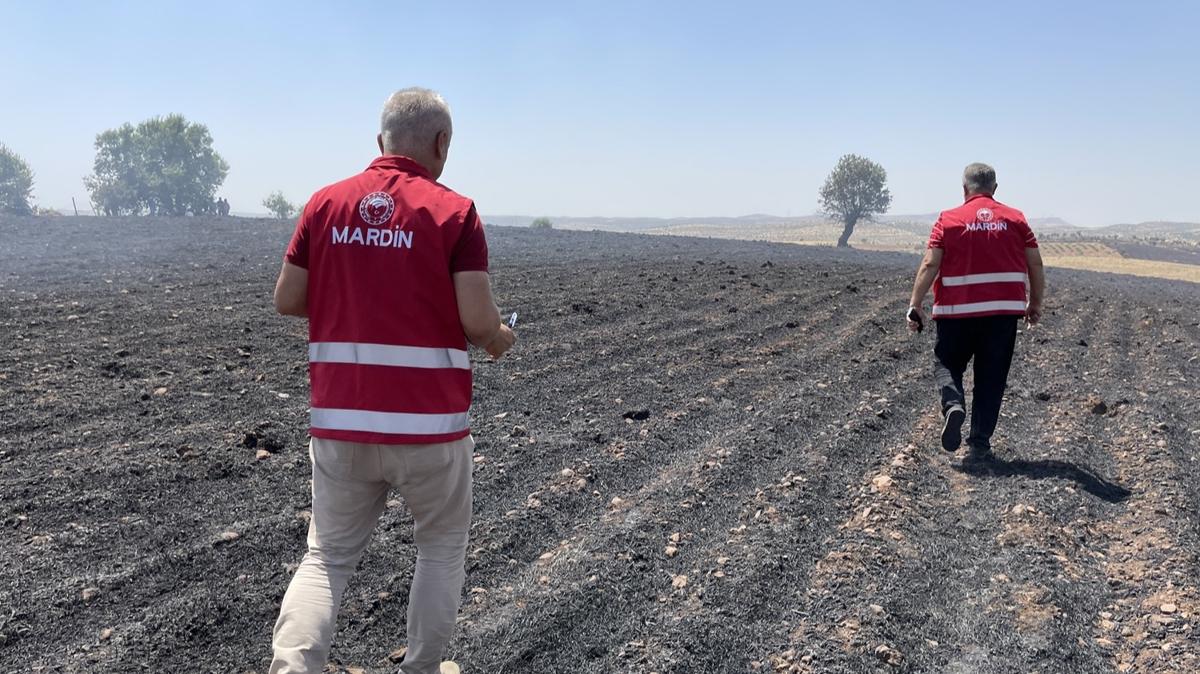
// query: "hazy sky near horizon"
[[1087, 109]]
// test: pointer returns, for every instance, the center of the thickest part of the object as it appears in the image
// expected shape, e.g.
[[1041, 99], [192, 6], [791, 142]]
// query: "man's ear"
[[442, 145], [379, 141]]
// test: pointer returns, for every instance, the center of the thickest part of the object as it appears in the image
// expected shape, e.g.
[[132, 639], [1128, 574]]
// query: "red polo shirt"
[[984, 271], [388, 359]]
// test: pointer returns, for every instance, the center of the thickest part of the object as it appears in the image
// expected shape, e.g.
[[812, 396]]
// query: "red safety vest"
[[984, 271], [388, 359]]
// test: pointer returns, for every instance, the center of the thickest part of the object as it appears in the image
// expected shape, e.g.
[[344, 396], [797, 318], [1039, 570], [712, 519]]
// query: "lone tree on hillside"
[[542, 223], [163, 166], [16, 183], [855, 190], [279, 206]]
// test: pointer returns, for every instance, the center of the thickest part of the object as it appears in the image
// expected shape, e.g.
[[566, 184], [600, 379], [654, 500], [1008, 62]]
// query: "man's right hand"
[[1033, 313], [501, 343]]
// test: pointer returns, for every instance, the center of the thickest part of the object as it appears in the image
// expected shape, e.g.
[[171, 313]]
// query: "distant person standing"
[[391, 269], [979, 259]]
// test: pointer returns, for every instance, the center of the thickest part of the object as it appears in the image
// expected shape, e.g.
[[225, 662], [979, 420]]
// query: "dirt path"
[[705, 456]]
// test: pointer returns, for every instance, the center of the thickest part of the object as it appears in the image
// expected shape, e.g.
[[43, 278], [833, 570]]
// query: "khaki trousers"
[[349, 491]]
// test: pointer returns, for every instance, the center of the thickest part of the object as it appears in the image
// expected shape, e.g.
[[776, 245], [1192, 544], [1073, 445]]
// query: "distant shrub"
[[279, 206], [46, 212], [542, 223]]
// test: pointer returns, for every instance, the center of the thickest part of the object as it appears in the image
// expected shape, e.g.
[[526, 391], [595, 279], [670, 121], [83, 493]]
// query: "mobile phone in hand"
[[915, 317]]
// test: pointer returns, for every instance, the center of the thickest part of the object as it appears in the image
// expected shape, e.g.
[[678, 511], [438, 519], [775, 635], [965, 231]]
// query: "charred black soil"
[[704, 456]]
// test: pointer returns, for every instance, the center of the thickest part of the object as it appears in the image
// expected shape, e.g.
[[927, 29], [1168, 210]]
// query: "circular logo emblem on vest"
[[376, 208], [984, 215]]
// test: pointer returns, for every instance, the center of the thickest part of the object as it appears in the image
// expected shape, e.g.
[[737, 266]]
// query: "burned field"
[[703, 456]]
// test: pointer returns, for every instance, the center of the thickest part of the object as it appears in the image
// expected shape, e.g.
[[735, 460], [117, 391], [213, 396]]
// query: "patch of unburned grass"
[[1172, 271]]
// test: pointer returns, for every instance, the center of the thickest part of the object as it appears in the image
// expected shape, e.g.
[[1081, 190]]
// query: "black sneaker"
[[952, 430]]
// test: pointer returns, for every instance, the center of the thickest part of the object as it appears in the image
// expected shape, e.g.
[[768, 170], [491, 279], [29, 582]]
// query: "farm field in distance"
[[1170, 260], [704, 455]]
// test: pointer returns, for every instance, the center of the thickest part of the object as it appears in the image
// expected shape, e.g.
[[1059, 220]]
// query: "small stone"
[[90, 593], [617, 502], [889, 655], [228, 537], [397, 655], [160, 391], [567, 473], [106, 634], [876, 609], [545, 558], [679, 582], [1168, 608], [671, 551], [261, 454], [882, 483]]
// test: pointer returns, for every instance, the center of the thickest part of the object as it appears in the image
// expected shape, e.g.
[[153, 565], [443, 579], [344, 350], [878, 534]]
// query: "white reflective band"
[[977, 307], [394, 423], [972, 279], [387, 354]]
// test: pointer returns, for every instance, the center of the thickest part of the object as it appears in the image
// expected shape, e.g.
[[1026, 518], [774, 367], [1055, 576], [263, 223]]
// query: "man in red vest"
[[980, 257], [391, 269]]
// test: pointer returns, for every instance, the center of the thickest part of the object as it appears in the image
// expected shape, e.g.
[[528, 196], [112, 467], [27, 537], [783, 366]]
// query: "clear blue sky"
[[1087, 109]]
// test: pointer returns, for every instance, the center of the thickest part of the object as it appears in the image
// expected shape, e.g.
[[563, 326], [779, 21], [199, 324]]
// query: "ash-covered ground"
[[703, 456]]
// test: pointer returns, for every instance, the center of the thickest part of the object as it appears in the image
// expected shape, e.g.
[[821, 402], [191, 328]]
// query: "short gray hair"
[[979, 178], [412, 118]]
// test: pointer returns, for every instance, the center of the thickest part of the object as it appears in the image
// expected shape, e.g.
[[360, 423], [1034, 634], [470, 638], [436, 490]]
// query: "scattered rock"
[[262, 454], [160, 391], [89, 593], [889, 655], [1168, 608], [679, 582], [617, 502], [106, 634], [227, 537], [882, 483], [397, 655], [671, 551]]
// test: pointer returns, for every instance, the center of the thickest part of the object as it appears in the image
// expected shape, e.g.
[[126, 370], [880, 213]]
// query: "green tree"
[[542, 223], [16, 183], [855, 190], [162, 166], [279, 206]]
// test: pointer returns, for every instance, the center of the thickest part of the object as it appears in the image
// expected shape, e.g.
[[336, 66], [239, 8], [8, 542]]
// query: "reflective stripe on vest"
[[393, 423], [387, 354], [974, 279], [977, 307]]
